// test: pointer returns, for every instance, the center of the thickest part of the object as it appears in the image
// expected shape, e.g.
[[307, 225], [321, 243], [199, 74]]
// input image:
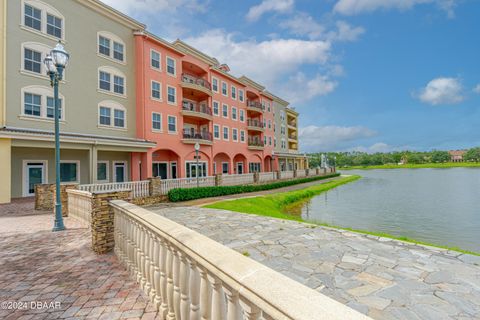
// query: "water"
[[439, 206]]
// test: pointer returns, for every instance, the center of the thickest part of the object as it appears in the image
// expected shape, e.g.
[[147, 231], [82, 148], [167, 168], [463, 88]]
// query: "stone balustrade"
[[189, 276]]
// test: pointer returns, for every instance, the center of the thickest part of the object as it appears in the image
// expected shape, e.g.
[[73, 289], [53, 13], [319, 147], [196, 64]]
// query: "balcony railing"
[[292, 137], [292, 123], [255, 105], [255, 143], [190, 78], [196, 107], [198, 135], [255, 123]]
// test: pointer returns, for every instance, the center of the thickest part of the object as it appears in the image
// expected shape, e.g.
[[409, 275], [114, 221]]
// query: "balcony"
[[292, 124], [254, 106], [255, 125], [192, 137], [196, 110], [255, 144], [196, 83], [292, 138]]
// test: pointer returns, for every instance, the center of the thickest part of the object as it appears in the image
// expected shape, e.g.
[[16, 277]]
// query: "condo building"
[[133, 105]]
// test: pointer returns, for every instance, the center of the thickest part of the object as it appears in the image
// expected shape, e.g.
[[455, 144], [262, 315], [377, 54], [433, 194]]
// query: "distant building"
[[456, 155]]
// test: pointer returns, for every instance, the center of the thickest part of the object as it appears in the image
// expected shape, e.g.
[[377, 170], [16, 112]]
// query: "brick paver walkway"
[[39, 267]]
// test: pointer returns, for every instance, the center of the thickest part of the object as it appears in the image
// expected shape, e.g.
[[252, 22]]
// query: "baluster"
[[176, 283], [157, 299], [171, 312], [163, 279], [138, 262], [250, 311], [184, 288], [143, 239], [232, 304], [194, 290], [147, 263], [217, 298], [205, 298]]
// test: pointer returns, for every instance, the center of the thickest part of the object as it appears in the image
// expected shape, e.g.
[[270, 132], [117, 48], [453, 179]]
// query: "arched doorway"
[[240, 164], [165, 164], [221, 163], [268, 164]]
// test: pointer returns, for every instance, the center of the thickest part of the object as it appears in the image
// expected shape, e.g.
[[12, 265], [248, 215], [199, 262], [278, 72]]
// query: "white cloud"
[[376, 147], [442, 91], [477, 88], [255, 12], [346, 32], [314, 138], [299, 88], [273, 61], [353, 7], [157, 6], [303, 24]]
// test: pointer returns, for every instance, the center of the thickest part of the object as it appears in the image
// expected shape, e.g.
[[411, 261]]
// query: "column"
[[93, 164], [6, 170]]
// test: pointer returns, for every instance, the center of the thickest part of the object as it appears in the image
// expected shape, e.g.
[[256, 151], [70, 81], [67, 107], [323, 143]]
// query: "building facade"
[[97, 95]]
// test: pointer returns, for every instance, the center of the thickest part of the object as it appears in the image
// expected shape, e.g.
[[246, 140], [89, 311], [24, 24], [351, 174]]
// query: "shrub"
[[185, 194]]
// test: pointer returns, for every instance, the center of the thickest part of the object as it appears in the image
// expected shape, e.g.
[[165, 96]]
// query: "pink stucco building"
[[183, 97]]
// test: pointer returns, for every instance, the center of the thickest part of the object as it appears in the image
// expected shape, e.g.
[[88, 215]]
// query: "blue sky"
[[368, 75]]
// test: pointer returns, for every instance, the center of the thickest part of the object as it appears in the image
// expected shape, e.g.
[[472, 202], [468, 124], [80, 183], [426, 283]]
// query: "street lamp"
[[55, 62], [197, 149]]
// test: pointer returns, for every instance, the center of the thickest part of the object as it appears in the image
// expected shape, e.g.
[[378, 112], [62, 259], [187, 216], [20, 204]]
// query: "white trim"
[[45, 9], [219, 132], [113, 38], [226, 87], [228, 167], [112, 72], [113, 105], [166, 168], [38, 47], [225, 105], [234, 140], [168, 124], [45, 92], [125, 170], [236, 113], [176, 100], [218, 84], [231, 92], [151, 91], [77, 162], [241, 111], [243, 167], [219, 107], [25, 176], [175, 66], [223, 133], [161, 122], [195, 162], [159, 69], [243, 95], [107, 173], [171, 166], [244, 136]]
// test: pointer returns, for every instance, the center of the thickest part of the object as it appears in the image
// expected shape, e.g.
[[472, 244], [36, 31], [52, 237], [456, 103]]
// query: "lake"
[[439, 206]]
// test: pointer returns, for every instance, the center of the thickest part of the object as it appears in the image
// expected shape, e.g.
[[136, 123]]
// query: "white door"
[[239, 167], [120, 171], [34, 173]]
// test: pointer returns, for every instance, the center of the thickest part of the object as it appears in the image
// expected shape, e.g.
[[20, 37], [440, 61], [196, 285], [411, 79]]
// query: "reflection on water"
[[440, 206]]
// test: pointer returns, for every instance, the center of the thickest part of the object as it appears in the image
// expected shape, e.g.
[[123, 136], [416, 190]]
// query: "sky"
[[365, 75]]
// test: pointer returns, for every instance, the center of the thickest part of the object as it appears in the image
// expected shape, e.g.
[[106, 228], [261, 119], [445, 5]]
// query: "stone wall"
[[45, 196], [146, 201], [102, 219]]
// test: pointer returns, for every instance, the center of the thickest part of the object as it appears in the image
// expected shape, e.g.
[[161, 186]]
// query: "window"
[[119, 118], [254, 167], [215, 108], [155, 59], [225, 167], [104, 81], [51, 108], [215, 84], [224, 89], [265, 140], [118, 51], [268, 106], [105, 116], [172, 124], [269, 141], [54, 26], [275, 142], [225, 133], [234, 113], [242, 136], [242, 115], [156, 121], [102, 171], [156, 91], [216, 131], [171, 95], [234, 93], [32, 104], [118, 85], [240, 95], [32, 60], [269, 124], [69, 171], [104, 46], [225, 111], [214, 168], [33, 17], [235, 134], [171, 66], [192, 169]]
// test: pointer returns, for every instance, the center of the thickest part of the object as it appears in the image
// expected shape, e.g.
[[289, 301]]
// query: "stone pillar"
[[307, 172], [102, 220], [155, 186], [45, 196], [294, 173], [279, 174], [256, 177], [218, 179]]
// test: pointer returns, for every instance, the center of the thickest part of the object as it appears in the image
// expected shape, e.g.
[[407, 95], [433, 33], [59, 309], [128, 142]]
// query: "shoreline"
[[274, 206], [446, 165]]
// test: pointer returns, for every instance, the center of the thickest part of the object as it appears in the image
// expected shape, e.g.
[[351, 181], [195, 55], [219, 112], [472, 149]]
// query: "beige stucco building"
[[98, 132]]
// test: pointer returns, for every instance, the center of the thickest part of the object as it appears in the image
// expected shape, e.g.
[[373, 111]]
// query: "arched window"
[[112, 81], [32, 55], [42, 18], [111, 46], [112, 115], [38, 103]]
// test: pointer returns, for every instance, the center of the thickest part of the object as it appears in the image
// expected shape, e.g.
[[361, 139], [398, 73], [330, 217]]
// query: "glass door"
[[159, 169], [119, 171], [34, 174]]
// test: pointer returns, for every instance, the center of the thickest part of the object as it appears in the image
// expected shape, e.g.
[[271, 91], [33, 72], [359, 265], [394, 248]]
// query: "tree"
[[440, 156], [472, 155]]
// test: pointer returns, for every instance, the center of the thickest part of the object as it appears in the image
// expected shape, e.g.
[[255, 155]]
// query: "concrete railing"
[[237, 179], [267, 176], [189, 276], [80, 205], [169, 184], [301, 173], [286, 174], [139, 188]]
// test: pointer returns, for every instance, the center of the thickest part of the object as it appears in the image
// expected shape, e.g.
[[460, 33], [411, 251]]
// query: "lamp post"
[[272, 162], [197, 149], [55, 63]]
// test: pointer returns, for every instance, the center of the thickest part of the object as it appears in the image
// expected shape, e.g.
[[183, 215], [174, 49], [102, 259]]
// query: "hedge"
[[185, 194]]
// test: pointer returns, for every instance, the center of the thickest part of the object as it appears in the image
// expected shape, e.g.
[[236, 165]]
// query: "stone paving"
[[386, 279], [60, 270]]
